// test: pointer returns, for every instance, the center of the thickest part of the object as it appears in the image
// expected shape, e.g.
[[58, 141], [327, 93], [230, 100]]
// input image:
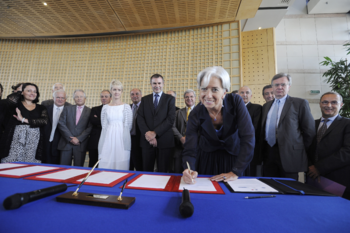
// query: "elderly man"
[[136, 150], [287, 131], [173, 93], [254, 110], [52, 134], [267, 93], [331, 145], [75, 129], [55, 87], [179, 129], [95, 120]]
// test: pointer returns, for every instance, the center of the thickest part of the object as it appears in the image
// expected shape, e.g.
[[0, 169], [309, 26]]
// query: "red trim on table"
[[168, 187], [217, 186], [34, 173], [112, 184], [69, 180], [9, 168]]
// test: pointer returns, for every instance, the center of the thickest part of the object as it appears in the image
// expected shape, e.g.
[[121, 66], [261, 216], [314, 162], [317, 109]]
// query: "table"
[[156, 211]]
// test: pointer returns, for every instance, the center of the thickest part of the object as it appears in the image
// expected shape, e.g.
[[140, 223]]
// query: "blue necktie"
[[155, 101], [271, 135]]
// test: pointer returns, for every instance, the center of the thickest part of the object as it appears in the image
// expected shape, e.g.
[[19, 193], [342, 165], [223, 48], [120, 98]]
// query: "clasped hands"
[[75, 141], [313, 172], [151, 138], [189, 176]]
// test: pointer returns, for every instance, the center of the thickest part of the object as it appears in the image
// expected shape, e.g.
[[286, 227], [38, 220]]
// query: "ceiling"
[[31, 18]]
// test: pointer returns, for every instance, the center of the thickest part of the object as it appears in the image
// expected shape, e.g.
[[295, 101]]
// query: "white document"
[[202, 184], [250, 186], [151, 181], [64, 175], [11, 165], [26, 170], [104, 177]]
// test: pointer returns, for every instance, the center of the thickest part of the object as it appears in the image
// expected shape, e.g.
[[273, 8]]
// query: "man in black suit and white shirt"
[[136, 150], [155, 119], [331, 146], [287, 131], [52, 134], [55, 87], [95, 120], [255, 114]]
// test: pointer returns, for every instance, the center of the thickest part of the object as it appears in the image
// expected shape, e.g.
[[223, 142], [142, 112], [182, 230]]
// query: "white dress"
[[113, 152]]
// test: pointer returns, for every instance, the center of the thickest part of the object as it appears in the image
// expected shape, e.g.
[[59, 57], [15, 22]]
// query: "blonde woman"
[[115, 141]]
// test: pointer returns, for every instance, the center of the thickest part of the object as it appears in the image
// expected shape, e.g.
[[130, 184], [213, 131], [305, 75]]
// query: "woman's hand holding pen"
[[225, 177], [189, 176]]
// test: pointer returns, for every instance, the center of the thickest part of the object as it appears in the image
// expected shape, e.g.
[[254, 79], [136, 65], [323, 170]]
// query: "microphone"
[[17, 200], [186, 207]]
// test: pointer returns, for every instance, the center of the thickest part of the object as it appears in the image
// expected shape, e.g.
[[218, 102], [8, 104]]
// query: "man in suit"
[[179, 129], [155, 119], [75, 129], [331, 146], [55, 87], [136, 150], [267, 93], [95, 120], [173, 93], [52, 134], [287, 131], [254, 110]]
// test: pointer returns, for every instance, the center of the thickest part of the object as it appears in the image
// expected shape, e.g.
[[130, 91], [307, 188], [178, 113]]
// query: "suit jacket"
[[331, 156], [138, 132], [51, 150], [179, 127], [68, 128], [51, 102], [160, 120], [255, 114], [295, 132], [96, 127]]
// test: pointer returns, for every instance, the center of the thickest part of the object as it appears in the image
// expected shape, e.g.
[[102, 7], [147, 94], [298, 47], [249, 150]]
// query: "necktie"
[[155, 101], [271, 135], [134, 111], [78, 114], [54, 123], [188, 113], [322, 130]]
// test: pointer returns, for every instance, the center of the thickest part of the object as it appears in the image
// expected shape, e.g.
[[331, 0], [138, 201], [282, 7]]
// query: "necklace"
[[216, 114]]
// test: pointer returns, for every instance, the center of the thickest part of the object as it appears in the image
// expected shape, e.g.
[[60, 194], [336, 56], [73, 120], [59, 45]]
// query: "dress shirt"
[[268, 119], [138, 104], [82, 108], [330, 121], [56, 108], [160, 94], [247, 103]]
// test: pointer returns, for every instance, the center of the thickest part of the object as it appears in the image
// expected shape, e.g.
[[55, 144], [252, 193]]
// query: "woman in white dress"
[[115, 141]]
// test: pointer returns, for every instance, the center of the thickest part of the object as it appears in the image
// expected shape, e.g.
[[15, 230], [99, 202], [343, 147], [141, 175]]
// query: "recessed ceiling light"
[[259, 28], [45, 4]]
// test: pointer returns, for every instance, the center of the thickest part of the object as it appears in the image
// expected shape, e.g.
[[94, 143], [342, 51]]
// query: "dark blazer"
[[68, 128], [295, 132], [179, 127], [160, 120], [237, 137], [51, 102], [255, 114], [332, 155], [96, 127], [138, 132]]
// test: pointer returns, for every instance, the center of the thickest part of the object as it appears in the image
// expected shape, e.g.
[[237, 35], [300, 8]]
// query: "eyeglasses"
[[332, 102], [280, 84]]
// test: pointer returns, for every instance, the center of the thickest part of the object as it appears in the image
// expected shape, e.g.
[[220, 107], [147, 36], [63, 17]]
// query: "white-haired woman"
[[115, 141], [220, 135]]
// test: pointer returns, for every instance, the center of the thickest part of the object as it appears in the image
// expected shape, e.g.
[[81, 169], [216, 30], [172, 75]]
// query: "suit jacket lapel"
[[150, 103], [285, 109], [266, 111], [74, 114], [50, 113], [183, 113], [334, 124], [249, 105], [207, 125]]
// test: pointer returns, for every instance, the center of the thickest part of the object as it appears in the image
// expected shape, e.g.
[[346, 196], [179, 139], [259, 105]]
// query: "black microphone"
[[186, 207], [17, 200]]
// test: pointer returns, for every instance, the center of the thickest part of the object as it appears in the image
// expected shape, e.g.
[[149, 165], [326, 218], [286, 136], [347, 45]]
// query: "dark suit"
[[331, 156], [294, 135], [161, 121], [68, 129], [94, 135], [255, 114], [136, 150], [52, 154], [51, 102]]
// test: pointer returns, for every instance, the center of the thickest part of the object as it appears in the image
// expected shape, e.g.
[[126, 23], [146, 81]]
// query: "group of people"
[[224, 135]]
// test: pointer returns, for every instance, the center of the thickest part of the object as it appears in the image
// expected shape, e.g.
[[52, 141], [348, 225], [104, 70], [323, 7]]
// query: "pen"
[[76, 191], [188, 166], [121, 192], [260, 197]]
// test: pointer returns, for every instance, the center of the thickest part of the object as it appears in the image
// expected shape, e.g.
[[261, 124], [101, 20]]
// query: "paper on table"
[[151, 181], [64, 175], [26, 170], [251, 186], [10, 165], [104, 177], [202, 184]]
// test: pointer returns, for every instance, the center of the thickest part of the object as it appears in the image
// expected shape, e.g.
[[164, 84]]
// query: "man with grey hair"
[[75, 129], [331, 146], [179, 129], [287, 131], [55, 87], [173, 93]]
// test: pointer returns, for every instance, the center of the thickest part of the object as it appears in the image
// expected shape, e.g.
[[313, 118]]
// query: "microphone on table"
[[17, 200], [186, 207]]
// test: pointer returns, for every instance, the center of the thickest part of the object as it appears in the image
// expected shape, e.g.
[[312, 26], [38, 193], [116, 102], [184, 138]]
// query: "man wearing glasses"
[[331, 145], [287, 130]]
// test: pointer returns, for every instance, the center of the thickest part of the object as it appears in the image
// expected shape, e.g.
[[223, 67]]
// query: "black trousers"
[[163, 156], [135, 154], [93, 157], [53, 155], [273, 165]]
